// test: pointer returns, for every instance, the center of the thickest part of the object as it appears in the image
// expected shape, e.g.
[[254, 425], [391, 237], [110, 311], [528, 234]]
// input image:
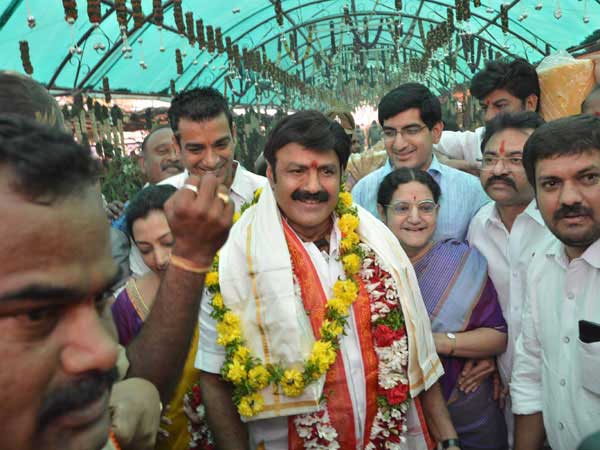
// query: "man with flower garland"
[[314, 332]]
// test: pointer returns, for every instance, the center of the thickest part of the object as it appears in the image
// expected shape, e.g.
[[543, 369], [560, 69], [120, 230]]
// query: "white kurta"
[[461, 144], [554, 372]]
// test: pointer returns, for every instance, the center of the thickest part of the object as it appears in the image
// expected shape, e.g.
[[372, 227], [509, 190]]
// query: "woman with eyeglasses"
[[461, 301]]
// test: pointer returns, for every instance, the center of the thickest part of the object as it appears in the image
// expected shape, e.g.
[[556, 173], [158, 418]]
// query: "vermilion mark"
[[501, 150]]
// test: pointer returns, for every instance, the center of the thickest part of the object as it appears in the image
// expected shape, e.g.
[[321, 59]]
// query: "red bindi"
[[501, 150], [314, 165]]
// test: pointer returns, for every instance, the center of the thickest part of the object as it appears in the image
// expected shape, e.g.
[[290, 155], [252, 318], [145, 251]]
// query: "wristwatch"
[[452, 338], [449, 443]]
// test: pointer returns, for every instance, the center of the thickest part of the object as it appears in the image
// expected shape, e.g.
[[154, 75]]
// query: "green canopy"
[[301, 53]]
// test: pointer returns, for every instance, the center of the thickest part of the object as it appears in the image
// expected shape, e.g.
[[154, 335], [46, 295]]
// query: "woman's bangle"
[[187, 265]]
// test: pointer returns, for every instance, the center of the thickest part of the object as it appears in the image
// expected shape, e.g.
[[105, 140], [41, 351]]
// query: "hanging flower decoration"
[[25, 59], [398, 4], [210, 38], [219, 40], [138, 14], [70, 7], [178, 16], [179, 62], [93, 11], [157, 12], [504, 18], [279, 13], [121, 10], [106, 89], [200, 34], [189, 21], [172, 87], [477, 3]]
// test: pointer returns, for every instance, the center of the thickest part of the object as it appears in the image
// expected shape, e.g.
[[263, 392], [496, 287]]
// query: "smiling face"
[[503, 175], [412, 145], [306, 184], [153, 238], [55, 376], [412, 225], [207, 146], [568, 196], [159, 158]]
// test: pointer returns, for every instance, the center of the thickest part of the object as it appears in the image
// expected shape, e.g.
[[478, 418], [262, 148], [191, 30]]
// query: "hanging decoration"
[[30, 19], [172, 87], [94, 12], [189, 21], [219, 40], [121, 9], [398, 4], [210, 38], [477, 3], [70, 7], [504, 18], [279, 13], [200, 34], [178, 16], [179, 62], [138, 14], [25, 59], [157, 12], [558, 10], [106, 89]]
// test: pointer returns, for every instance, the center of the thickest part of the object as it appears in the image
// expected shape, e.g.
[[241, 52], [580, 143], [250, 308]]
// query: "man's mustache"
[[303, 196], [76, 395], [572, 211], [503, 178], [171, 165]]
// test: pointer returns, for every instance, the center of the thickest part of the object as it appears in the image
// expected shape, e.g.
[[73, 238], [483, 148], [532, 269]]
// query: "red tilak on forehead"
[[501, 150], [414, 198], [313, 164], [487, 102]]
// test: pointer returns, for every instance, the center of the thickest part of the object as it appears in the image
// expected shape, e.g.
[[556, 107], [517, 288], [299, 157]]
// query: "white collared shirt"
[[508, 255], [461, 144], [554, 372]]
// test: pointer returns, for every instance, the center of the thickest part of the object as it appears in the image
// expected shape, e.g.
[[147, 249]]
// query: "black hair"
[[312, 130], [149, 199], [407, 96], [23, 96], [517, 76], [46, 162], [149, 135], [566, 136], [595, 91], [405, 175], [199, 104], [525, 120]]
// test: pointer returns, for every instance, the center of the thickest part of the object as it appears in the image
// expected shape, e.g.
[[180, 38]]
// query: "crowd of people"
[[445, 301]]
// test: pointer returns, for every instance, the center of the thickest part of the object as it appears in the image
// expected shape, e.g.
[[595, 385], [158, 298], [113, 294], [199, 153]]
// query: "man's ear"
[[142, 163], [270, 175], [381, 211], [436, 131], [531, 102], [175, 142]]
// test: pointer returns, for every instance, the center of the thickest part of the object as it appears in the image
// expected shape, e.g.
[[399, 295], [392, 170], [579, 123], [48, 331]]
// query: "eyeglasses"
[[389, 134], [488, 162], [424, 208]]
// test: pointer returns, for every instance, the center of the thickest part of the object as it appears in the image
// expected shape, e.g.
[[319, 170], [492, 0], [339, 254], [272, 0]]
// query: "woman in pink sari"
[[460, 298]]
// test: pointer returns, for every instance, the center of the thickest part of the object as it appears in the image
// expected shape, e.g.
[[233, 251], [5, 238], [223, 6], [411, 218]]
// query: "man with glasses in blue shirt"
[[411, 118]]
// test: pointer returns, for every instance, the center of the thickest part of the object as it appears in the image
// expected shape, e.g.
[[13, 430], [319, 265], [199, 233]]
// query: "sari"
[[129, 313], [459, 296]]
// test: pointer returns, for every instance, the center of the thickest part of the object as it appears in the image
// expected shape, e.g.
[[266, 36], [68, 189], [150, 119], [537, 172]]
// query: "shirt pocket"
[[589, 361]]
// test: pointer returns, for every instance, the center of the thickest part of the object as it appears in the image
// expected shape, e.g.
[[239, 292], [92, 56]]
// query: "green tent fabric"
[[304, 53]]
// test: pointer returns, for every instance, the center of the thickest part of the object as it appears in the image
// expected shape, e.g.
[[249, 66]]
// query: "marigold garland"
[[249, 374]]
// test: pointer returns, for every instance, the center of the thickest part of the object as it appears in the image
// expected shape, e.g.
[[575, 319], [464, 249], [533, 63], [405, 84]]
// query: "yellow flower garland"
[[249, 374]]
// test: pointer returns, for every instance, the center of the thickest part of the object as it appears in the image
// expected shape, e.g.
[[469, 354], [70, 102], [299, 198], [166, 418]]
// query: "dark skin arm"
[[437, 415], [529, 431], [229, 432], [200, 224]]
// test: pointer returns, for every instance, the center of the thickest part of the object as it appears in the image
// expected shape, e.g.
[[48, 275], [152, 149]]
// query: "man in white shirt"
[[554, 388], [205, 138], [276, 272], [502, 86], [508, 230]]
